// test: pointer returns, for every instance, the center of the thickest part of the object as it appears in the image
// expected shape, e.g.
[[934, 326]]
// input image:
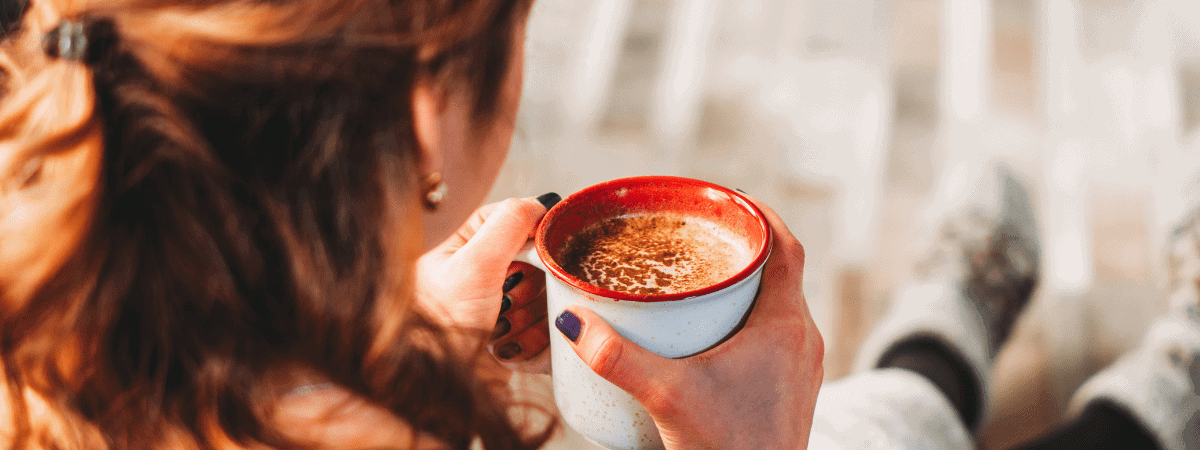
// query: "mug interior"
[[648, 195]]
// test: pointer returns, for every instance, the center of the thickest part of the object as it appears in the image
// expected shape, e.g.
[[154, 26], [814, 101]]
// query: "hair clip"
[[67, 41]]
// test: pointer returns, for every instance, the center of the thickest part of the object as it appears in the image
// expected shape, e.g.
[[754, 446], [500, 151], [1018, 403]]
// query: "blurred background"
[[844, 115]]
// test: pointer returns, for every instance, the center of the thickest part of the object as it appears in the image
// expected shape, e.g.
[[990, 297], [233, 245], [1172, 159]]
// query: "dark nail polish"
[[505, 304], [503, 326], [509, 350], [569, 325], [512, 280], [549, 199]]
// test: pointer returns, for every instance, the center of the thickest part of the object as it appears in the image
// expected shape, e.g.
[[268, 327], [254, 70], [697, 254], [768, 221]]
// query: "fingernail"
[[503, 326], [569, 325], [505, 304], [509, 350], [549, 199], [512, 280]]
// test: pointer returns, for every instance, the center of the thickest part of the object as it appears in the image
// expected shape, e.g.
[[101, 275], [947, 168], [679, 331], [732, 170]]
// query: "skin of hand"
[[461, 280], [756, 390]]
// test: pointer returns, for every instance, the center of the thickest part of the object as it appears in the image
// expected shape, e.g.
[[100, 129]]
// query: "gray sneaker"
[[992, 246], [1158, 382], [977, 278]]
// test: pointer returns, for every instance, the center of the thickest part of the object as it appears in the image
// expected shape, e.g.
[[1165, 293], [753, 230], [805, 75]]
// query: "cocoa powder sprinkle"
[[650, 255]]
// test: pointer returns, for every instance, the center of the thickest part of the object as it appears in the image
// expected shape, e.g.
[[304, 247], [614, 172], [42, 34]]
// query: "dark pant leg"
[[952, 376], [1102, 426]]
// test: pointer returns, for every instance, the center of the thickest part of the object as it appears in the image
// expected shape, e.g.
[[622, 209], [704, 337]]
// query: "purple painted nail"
[[569, 325]]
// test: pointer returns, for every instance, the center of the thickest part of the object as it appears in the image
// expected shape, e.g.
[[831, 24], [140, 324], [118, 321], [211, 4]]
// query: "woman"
[[211, 215]]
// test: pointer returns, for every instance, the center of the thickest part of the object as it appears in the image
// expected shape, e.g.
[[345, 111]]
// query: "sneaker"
[[973, 284], [1158, 383], [992, 247], [1183, 263]]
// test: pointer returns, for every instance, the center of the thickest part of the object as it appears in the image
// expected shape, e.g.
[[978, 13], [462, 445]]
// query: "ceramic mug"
[[672, 325]]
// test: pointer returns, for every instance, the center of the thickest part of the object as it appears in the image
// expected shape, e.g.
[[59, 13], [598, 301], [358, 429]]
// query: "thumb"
[[499, 235], [613, 357]]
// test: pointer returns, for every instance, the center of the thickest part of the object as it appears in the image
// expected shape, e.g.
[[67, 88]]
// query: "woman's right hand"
[[756, 390]]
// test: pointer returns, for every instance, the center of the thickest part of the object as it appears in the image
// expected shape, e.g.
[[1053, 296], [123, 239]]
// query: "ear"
[[428, 109]]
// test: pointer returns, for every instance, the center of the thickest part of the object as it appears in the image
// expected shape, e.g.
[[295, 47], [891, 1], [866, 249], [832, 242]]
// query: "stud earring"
[[434, 189]]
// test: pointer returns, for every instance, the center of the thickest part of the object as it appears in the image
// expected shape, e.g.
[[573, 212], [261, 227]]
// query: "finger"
[[538, 363], [620, 361], [516, 320], [503, 232], [781, 294], [528, 286], [780, 232], [476, 221], [534, 357], [524, 344], [469, 228]]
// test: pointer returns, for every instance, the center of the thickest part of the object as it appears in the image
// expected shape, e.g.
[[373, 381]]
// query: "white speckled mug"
[[673, 325]]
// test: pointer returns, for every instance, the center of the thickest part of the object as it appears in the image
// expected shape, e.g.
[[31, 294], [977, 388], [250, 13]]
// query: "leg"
[[886, 409], [952, 376], [948, 325], [1150, 392], [1150, 397], [1102, 426], [923, 369]]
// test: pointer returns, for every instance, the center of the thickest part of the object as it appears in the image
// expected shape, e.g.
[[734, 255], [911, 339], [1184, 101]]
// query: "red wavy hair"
[[226, 198]]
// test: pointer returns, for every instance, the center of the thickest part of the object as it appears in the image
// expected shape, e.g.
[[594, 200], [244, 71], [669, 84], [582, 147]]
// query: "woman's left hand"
[[470, 281]]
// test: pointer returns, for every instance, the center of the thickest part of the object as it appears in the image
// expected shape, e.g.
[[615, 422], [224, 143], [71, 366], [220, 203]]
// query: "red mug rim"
[[760, 256]]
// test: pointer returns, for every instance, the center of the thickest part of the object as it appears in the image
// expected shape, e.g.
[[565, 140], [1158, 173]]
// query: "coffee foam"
[[654, 254]]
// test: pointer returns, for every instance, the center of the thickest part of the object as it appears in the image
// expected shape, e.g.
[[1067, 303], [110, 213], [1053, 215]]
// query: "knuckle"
[[511, 205], [774, 272], [794, 268], [818, 343], [793, 249], [530, 209], [817, 346], [802, 336], [798, 250], [606, 359], [793, 338], [518, 211], [781, 279]]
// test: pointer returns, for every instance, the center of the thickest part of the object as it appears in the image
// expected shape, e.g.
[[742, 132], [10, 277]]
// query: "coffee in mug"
[[654, 254], [673, 264]]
